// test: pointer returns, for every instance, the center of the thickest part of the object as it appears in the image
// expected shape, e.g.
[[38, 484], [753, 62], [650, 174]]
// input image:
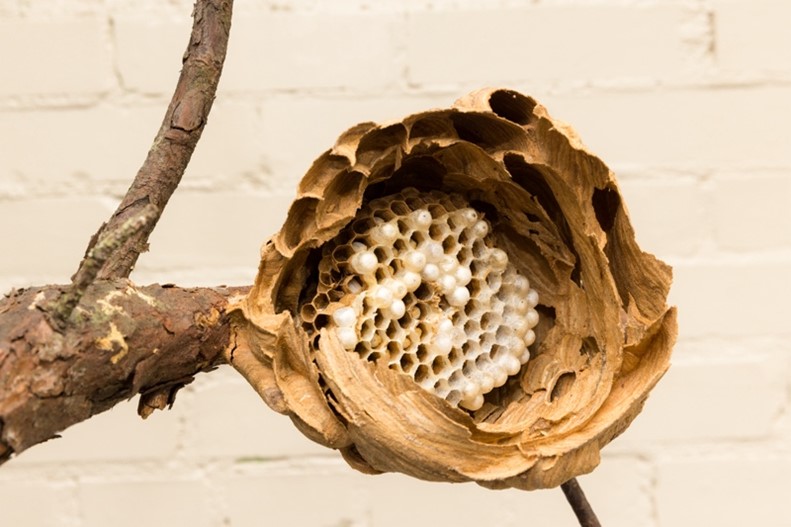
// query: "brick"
[[62, 9], [44, 239], [35, 503], [617, 488], [738, 299], [722, 399], [742, 488], [149, 50], [340, 496], [171, 500], [116, 435], [399, 500], [80, 149], [233, 147], [751, 211], [227, 419], [729, 128], [299, 129], [543, 43], [752, 36], [668, 215], [60, 56], [8, 7], [256, 496], [289, 50], [214, 229], [619, 491], [102, 148]]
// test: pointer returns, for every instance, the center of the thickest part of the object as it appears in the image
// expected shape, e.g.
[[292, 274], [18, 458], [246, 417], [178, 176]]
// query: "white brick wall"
[[688, 100]]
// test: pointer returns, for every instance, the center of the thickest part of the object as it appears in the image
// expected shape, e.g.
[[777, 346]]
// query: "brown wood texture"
[[69, 352], [121, 340], [605, 333], [579, 504], [178, 135]]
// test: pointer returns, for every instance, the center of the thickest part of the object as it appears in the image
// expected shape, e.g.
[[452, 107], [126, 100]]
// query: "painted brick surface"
[[543, 43], [727, 127], [727, 490], [753, 37], [334, 497], [733, 398], [287, 51], [98, 148], [688, 101], [61, 56], [37, 503], [751, 213], [669, 214], [711, 292], [247, 430], [116, 435], [105, 501], [149, 50], [34, 229]]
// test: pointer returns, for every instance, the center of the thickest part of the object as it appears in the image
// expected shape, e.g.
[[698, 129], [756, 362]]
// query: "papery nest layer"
[[605, 333]]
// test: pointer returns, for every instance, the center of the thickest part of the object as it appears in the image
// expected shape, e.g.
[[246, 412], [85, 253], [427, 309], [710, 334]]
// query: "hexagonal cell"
[[472, 327], [441, 387], [439, 364], [321, 301], [342, 254], [422, 373], [399, 207], [456, 358], [367, 330], [494, 281], [384, 214], [308, 312], [408, 363], [426, 290], [362, 225]]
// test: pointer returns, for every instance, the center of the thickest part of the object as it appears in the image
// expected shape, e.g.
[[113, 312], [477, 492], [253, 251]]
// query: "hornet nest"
[[459, 296]]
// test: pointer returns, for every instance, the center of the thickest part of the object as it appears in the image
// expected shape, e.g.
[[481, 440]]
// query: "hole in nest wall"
[[606, 204], [562, 385], [512, 106]]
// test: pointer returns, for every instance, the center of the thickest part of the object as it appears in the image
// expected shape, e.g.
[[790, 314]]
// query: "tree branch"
[[120, 341], [110, 241], [579, 504], [175, 142]]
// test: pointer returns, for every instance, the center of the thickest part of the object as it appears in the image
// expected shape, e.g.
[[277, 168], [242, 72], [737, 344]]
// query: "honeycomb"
[[416, 280]]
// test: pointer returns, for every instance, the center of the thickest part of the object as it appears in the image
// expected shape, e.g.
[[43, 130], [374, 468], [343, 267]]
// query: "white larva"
[[412, 278]]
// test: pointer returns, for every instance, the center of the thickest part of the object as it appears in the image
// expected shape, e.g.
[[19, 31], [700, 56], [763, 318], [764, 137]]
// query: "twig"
[[175, 142], [579, 504], [96, 258]]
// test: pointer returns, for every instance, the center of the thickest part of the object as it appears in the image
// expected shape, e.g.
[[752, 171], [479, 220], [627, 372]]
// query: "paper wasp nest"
[[415, 279], [458, 296]]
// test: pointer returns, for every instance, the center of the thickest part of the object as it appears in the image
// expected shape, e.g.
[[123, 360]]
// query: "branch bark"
[[178, 135], [579, 504], [69, 352], [120, 341]]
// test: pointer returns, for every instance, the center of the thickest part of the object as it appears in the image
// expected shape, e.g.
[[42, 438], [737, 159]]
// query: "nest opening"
[[415, 305]]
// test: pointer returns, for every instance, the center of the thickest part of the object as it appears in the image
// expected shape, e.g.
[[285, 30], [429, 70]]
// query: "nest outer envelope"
[[605, 333]]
